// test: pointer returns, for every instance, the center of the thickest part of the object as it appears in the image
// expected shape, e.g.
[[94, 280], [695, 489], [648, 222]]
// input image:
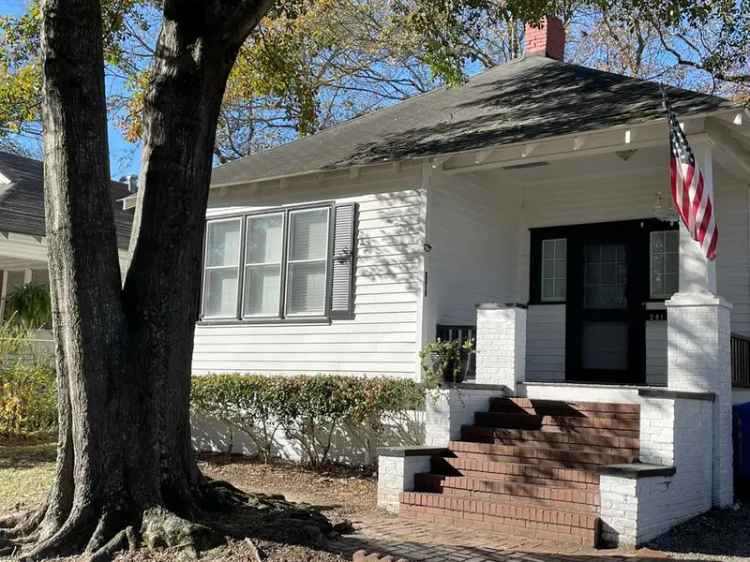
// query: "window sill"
[[265, 321]]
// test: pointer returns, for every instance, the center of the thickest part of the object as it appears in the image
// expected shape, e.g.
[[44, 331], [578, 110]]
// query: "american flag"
[[692, 199]]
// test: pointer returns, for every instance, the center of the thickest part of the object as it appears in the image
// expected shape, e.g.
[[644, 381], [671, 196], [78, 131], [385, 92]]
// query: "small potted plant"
[[443, 361]]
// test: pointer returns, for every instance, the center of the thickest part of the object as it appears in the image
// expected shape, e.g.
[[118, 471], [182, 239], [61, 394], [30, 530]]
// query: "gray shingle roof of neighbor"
[[22, 200], [526, 99]]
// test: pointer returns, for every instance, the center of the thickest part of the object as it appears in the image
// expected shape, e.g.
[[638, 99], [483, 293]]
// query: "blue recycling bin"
[[741, 435]]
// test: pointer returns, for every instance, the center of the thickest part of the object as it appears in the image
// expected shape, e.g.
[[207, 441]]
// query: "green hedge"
[[308, 410]]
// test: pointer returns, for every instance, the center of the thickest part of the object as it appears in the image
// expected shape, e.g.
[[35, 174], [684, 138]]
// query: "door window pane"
[[604, 276], [307, 263], [665, 263], [263, 255], [221, 276], [554, 265], [605, 346]]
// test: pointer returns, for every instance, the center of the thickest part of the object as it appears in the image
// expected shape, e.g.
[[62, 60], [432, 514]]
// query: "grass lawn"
[[26, 472]]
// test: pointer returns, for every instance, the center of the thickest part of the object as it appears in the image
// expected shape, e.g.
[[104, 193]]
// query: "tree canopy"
[[314, 63]]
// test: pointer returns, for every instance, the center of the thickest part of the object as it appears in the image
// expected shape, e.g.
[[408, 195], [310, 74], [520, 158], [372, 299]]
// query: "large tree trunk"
[[125, 467]]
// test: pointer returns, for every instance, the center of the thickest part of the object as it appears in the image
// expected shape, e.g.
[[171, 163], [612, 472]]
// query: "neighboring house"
[[542, 186], [23, 248]]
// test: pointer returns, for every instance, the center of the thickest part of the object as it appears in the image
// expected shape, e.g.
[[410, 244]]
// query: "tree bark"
[[125, 465]]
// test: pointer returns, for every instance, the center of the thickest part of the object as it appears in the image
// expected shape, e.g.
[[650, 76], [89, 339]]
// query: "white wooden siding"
[[656, 352], [382, 338], [473, 232], [545, 343], [733, 253]]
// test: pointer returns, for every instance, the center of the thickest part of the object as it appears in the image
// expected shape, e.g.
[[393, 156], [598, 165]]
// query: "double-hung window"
[[270, 265], [222, 272]]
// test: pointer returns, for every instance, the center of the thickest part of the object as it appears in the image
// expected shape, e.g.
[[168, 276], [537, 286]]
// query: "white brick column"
[[698, 359], [396, 470], [501, 345]]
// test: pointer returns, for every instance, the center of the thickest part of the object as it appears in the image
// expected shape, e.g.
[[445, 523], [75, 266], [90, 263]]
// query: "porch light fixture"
[[526, 165], [664, 212]]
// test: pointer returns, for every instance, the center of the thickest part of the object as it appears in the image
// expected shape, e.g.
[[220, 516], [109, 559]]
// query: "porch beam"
[[575, 150], [728, 143], [570, 146]]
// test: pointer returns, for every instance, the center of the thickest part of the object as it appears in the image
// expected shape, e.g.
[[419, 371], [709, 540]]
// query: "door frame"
[[638, 235]]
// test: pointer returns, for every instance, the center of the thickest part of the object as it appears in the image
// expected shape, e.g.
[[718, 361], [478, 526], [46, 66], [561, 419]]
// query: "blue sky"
[[124, 157]]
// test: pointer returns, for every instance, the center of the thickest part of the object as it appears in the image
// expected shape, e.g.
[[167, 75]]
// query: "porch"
[[601, 406], [579, 232], [23, 259]]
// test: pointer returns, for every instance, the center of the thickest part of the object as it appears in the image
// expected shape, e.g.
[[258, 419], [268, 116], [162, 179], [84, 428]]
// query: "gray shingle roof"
[[526, 99], [22, 200]]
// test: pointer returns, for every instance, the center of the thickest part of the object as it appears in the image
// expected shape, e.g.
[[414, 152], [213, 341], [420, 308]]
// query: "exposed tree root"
[[125, 539], [21, 523], [164, 529], [220, 510]]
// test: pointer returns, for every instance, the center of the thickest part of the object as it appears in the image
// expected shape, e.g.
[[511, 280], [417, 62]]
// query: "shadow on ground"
[[718, 533], [419, 551], [26, 456]]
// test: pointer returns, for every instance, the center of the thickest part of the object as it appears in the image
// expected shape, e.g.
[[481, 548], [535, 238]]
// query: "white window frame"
[[238, 267], [651, 293], [564, 280], [282, 315]]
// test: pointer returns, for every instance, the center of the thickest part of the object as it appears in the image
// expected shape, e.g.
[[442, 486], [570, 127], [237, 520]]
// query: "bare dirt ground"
[[338, 493], [343, 495]]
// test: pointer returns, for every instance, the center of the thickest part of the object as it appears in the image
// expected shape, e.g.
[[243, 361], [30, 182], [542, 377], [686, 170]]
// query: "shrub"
[[250, 403], [30, 304], [309, 410], [28, 401]]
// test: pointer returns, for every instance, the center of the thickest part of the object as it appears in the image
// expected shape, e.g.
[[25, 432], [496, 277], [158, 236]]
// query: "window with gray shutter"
[[344, 255]]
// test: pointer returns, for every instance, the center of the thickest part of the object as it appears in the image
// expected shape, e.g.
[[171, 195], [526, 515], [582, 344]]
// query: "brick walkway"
[[387, 534]]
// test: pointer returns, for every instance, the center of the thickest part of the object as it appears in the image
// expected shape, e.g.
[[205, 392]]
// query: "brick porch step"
[[555, 495], [586, 437], [534, 422], [519, 518], [571, 458], [513, 472], [528, 467], [549, 407]]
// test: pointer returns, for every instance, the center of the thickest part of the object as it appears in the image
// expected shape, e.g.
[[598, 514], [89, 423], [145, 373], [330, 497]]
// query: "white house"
[[23, 247], [541, 187]]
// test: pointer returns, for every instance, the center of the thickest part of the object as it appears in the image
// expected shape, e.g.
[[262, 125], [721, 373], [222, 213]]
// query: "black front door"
[[608, 286]]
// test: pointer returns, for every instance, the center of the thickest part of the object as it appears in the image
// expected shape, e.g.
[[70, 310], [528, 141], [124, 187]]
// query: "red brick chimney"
[[547, 40]]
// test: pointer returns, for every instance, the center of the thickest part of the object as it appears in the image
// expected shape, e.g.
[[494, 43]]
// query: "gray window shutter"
[[344, 257]]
